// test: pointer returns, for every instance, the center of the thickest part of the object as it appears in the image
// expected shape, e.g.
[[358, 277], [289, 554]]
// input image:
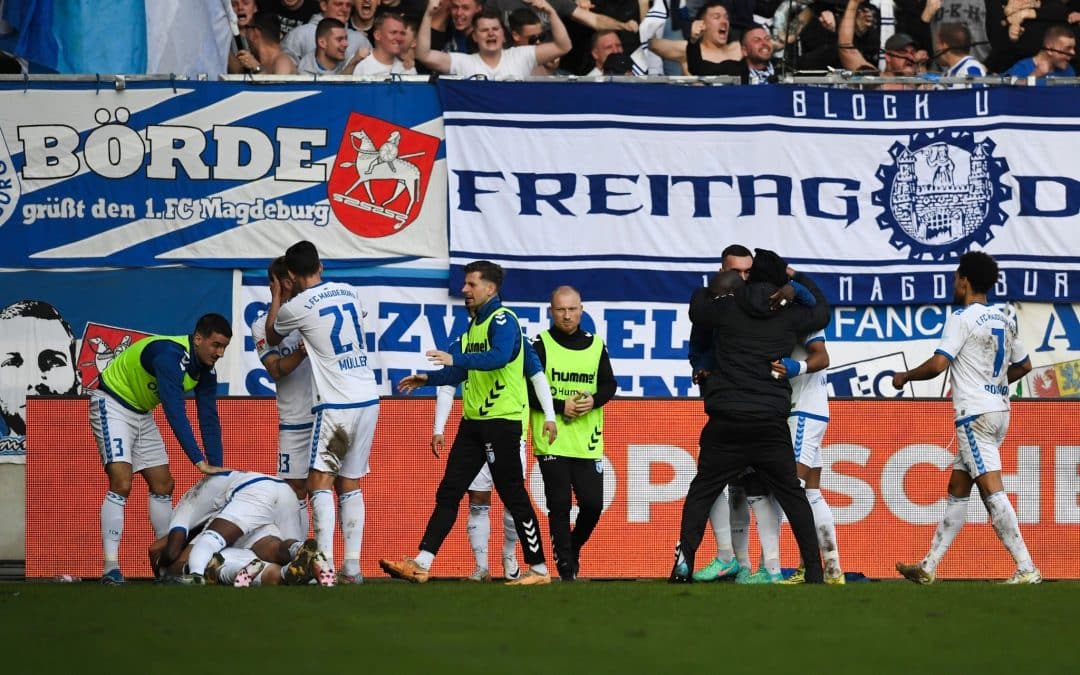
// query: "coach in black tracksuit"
[[748, 408]]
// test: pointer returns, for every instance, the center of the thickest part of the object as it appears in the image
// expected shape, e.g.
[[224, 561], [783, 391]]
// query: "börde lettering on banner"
[[218, 174]]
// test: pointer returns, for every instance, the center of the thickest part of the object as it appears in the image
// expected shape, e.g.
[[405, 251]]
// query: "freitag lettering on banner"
[[875, 193], [218, 174], [884, 477]]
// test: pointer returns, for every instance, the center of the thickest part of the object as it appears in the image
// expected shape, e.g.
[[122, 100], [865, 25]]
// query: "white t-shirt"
[[981, 342], [294, 395], [330, 317], [516, 62], [810, 391], [372, 67]]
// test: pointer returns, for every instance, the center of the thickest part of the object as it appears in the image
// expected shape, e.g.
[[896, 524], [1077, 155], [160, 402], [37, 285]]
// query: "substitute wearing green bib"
[[127, 379], [571, 372], [578, 368], [498, 394], [491, 359], [157, 370]]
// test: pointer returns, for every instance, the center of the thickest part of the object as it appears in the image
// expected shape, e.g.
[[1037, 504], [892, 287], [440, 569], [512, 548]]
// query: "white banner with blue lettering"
[[632, 191], [218, 174]]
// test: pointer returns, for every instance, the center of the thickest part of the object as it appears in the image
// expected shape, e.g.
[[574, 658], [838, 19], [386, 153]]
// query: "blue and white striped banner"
[[632, 191], [218, 174]]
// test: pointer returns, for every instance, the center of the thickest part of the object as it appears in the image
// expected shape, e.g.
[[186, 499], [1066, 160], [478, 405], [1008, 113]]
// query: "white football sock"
[[539, 568], [739, 519], [232, 565], [1003, 517], [160, 513], [767, 515], [112, 526], [826, 529], [303, 518], [951, 522], [294, 548], [352, 513], [719, 518], [479, 530], [205, 546], [323, 516], [510, 536], [258, 580], [424, 559]]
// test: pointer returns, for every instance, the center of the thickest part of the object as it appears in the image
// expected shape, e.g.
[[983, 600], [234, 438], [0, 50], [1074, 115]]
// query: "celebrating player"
[[983, 347]]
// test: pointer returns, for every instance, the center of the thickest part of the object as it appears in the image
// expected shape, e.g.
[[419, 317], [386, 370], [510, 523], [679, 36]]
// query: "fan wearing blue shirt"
[[1059, 47]]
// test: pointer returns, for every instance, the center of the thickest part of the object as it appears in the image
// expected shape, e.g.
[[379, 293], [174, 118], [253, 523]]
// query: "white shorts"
[[978, 440], [263, 501], [806, 435], [294, 452], [483, 481], [124, 435], [249, 539], [358, 425], [199, 503]]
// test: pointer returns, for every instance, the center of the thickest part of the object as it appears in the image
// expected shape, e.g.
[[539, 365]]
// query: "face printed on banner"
[[36, 357]]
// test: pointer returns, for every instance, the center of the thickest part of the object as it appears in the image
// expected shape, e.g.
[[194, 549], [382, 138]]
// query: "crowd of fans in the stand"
[[753, 39]]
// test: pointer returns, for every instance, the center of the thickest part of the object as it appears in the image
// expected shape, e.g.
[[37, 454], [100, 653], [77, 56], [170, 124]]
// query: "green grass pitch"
[[596, 627]]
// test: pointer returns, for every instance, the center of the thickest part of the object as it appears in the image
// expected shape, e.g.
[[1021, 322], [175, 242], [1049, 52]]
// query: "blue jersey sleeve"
[[167, 362], [209, 423], [701, 348], [532, 360], [454, 374]]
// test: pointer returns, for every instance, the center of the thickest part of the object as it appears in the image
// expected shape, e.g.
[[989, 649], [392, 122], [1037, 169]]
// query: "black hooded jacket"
[[748, 337]]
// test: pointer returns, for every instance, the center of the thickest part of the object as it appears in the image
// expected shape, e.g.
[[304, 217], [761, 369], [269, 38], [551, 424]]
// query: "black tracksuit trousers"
[[730, 443]]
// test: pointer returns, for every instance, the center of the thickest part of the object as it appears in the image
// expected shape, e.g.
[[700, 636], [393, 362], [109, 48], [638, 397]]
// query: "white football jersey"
[[981, 342], [207, 497], [294, 395], [204, 499], [330, 317], [810, 391]]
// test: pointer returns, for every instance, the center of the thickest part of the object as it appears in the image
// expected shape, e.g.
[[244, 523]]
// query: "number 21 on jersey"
[[341, 326]]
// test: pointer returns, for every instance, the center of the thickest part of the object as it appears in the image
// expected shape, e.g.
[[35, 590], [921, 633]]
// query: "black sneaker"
[[566, 571], [680, 574]]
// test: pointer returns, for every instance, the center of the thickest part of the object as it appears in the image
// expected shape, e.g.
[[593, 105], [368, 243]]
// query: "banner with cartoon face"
[[59, 329]]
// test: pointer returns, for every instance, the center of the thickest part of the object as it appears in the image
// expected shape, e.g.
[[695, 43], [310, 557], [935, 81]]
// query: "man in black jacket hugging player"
[[747, 406]]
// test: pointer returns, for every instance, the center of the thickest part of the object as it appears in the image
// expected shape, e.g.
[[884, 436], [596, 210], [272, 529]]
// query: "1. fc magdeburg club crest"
[[942, 194], [380, 176]]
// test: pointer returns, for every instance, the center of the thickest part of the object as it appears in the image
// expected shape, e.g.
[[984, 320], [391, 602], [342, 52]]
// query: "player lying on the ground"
[[251, 508], [243, 567]]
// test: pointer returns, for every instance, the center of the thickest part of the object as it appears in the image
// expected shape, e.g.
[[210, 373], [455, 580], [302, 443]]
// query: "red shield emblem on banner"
[[380, 177], [100, 345], [1044, 382]]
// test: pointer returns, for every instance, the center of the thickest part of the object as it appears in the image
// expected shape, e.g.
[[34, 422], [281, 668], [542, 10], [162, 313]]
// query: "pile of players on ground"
[[269, 553]]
